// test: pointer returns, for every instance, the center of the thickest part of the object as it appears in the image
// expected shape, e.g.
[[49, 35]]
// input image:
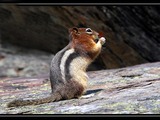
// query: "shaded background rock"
[[18, 61], [132, 32]]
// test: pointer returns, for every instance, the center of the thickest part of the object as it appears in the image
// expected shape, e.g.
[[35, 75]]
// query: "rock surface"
[[132, 32], [22, 62], [129, 90]]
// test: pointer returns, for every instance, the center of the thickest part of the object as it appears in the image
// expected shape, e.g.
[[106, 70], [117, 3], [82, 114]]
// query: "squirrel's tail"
[[48, 99]]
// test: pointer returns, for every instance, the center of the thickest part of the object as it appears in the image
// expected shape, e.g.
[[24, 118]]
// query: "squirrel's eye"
[[89, 31]]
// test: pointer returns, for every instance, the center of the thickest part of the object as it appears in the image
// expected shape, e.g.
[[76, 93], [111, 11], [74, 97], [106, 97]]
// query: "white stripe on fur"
[[63, 61]]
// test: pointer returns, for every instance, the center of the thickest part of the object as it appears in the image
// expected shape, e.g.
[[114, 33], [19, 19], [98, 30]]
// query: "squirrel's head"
[[84, 34], [86, 39]]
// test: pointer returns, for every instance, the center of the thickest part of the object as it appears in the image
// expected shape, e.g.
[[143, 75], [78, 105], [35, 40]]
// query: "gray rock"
[[22, 62], [129, 90]]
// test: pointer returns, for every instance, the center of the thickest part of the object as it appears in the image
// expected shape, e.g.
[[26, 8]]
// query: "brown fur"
[[85, 43], [85, 51]]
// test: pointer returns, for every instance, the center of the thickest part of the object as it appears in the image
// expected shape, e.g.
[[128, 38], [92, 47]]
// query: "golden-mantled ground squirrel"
[[68, 67]]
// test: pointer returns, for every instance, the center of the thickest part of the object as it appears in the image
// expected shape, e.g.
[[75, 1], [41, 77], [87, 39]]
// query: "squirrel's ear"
[[74, 30]]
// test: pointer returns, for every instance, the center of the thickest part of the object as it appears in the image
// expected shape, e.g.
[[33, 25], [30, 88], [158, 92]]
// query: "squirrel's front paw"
[[102, 40]]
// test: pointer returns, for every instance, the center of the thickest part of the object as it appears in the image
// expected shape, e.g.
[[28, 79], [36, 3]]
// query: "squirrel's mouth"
[[96, 40]]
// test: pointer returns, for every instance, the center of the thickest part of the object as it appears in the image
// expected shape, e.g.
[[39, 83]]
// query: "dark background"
[[132, 31]]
